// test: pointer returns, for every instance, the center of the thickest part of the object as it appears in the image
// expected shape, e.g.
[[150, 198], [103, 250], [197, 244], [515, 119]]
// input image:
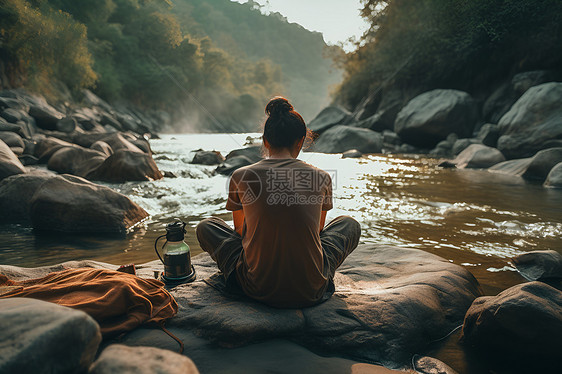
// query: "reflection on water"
[[473, 218]]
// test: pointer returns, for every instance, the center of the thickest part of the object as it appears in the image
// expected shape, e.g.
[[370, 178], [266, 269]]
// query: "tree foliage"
[[460, 44]]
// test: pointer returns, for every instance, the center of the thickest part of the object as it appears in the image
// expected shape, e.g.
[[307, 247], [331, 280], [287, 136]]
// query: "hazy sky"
[[336, 19]]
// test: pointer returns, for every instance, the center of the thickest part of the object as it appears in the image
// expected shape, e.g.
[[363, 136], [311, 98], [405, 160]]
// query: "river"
[[473, 218]]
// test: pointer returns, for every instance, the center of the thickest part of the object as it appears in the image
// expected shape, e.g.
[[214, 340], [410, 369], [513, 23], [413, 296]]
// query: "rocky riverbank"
[[79, 143], [390, 304], [506, 128]]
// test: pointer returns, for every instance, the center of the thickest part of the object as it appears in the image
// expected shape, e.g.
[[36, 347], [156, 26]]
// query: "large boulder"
[[102, 147], [45, 147], [390, 302], [125, 165], [328, 118], [46, 117], [207, 158], [74, 205], [521, 327], [489, 134], [339, 139], [44, 338], [431, 116], [512, 167], [478, 156], [533, 123], [9, 162], [120, 359], [539, 265], [16, 193], [554, 178], [12, 139], [238, 158], [542, 163], [75, 160]]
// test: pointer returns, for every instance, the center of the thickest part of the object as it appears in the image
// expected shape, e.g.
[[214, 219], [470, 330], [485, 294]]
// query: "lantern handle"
[[156, 246]]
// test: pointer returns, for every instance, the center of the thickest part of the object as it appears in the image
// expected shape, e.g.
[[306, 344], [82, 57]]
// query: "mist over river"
[[471, 217]]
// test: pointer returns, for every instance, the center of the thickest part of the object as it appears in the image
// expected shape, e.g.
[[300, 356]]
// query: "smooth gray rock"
[[12, 139], [339, 139], [46, 117], [554, 178], [75, 160], [521, 327], [533, 123], [233, 163], [431, 116], [9, 162], [16, 193], [207, 158], [66, 124], [44, 338], [542, 163], [489, 134], [121, 359], [389, 303], [74, 205], [539, 265], [461, 144], [478, 156], [125, 165], [254, 153], [512, 167], [328, 118]]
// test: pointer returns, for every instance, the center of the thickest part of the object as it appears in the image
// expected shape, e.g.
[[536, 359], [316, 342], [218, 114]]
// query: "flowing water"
[[473, 218]]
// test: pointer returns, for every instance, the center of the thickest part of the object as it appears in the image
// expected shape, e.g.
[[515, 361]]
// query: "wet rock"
[[118, 141], [40, 337], [520, 327], [554, 178], [233, 163], [352, 153], [512, 167], [339, 139], [431, 116], [489, 134], [539, 265], [253, 153], [27, 160], [125, 165], [11, 139], [533, 122], [542, 163], [390, 137], [9, 163], [74, 205], [389, 303], [444, 147], [329, 117], [102, 147], [478, 156], [76, 160], [207, 158], [16, 192], [46, 117], [430, 365], [461, 144], [121, 359]]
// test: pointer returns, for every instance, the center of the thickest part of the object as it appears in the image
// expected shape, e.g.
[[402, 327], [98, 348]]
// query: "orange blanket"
[[118, 301]]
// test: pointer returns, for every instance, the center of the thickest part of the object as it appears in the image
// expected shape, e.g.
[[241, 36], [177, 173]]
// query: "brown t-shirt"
[[282, 263]]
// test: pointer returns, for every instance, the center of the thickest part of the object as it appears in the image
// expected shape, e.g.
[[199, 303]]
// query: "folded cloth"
[[118, 301]]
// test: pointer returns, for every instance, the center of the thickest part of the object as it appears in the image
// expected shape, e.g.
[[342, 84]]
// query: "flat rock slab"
[[121, 359], [41, 337], [390, 303]]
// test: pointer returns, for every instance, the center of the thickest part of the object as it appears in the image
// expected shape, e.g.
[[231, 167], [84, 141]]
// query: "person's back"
[[280, 253], [282, 263]]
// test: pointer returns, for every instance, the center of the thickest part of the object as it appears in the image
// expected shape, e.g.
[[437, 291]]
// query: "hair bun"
[[278, 105]]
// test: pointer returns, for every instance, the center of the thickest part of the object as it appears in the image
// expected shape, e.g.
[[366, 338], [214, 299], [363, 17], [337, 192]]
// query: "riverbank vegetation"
[[466, 45], [201, 56]]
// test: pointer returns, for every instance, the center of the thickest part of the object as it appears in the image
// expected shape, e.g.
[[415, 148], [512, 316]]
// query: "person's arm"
[[238, 218], [322, 220]]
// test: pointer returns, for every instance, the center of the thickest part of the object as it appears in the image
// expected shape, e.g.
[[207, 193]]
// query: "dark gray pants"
[[339, 238]]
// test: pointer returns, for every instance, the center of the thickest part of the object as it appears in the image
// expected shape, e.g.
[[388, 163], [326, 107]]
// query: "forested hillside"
[[212, 63], [468, 45]]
